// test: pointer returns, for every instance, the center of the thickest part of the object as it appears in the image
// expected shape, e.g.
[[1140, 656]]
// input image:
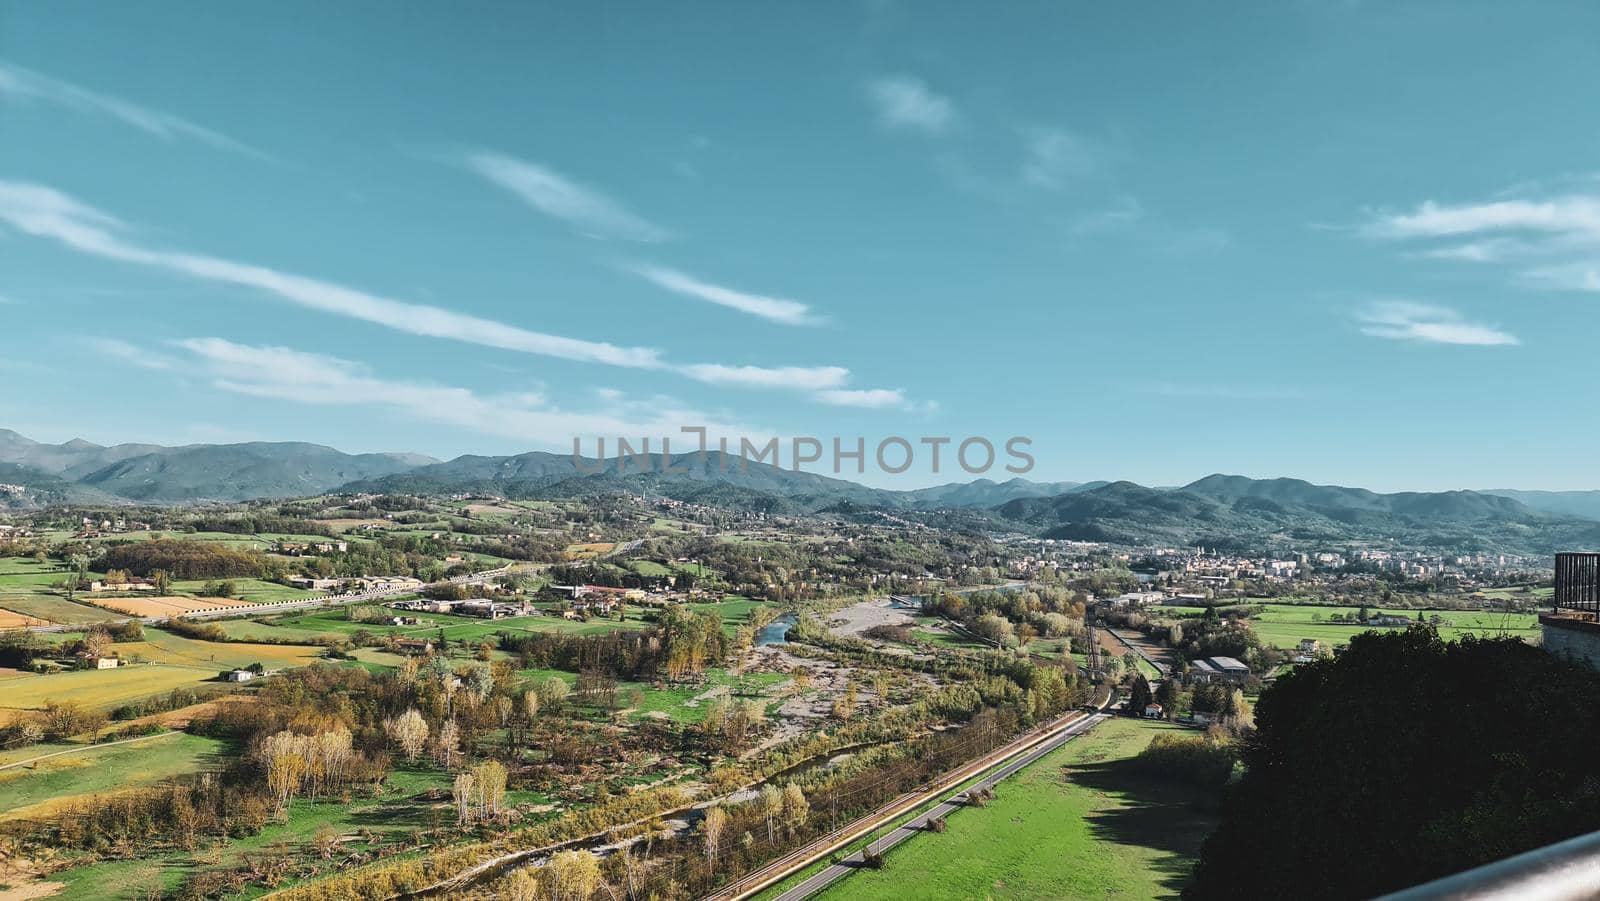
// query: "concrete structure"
[[1572, 629], [1219, 669], [133, 584]]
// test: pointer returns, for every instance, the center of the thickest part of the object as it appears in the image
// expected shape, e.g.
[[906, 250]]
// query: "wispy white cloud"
[[129, 353], [286, 374], [906, 102], [17, 83], [46, 213], [799, 378], [1407, 320], [1549, 242], [1573, 215], [777, 309], [585, 209], [864, 398], [1054, 158]]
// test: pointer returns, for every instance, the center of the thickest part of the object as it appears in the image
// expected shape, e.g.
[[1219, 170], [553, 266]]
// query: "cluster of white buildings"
[[358, 583]]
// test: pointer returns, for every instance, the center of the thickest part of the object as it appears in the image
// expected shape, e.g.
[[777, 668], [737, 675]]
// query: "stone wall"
[[1574, 640]]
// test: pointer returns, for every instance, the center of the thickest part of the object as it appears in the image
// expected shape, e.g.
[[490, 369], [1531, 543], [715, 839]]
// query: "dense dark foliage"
[[1404, 759], [182, 559]]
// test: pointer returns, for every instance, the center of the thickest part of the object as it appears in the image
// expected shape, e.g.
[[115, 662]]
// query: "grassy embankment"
[[1076, 824]]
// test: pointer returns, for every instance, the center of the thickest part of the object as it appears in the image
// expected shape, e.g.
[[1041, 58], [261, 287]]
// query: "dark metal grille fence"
[[1578, 583]]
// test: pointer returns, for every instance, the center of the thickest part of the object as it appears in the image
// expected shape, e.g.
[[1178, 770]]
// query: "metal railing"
[[1559, 872], [1577, 583]]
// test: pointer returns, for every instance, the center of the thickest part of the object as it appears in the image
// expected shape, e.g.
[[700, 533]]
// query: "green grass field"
[[336, 621], [392, 814], [943, 639], [250, 630], [734, 610], [649, 568], [32, 790], [175, 662], [374, 659], [254, 590], [332, 624], [687, 704], [1076, 824], [165, 647], [99, 689], [55, 609], [1283, 625], [25, 588]]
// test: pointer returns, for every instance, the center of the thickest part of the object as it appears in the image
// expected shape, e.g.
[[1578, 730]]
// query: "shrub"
[[1196, 760]]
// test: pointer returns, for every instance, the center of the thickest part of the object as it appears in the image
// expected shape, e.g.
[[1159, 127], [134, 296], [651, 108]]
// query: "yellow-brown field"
[[578, 551], [164, 647], [173, 605], [10, 620], [155, 666], [97, 689]]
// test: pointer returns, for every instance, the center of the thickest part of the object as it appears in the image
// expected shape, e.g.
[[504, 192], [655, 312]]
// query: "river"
[[776, 632]]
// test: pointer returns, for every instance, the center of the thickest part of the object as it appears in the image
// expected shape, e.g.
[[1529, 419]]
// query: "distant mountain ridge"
[[24, 488], [152, 473], [1218, 510], [544, 475], [1569, 503], [1235, 511]]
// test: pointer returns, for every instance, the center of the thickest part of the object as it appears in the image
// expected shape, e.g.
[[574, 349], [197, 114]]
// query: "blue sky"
[[1355, 243]]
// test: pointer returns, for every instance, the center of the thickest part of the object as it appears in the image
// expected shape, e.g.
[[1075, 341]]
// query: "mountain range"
[[1234, 512], [688, 477], [79, 471], [1218, 510]]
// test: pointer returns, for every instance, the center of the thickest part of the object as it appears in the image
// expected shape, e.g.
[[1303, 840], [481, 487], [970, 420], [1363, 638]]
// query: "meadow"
[[34, 789], [1283, 625], [397, 812], [98, 689], [689, 704], [255, 591], [173, 662], [1109, 833], [168, 648], [25, 588]]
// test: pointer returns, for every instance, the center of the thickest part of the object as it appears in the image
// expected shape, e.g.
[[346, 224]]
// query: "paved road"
[[831, 874]]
